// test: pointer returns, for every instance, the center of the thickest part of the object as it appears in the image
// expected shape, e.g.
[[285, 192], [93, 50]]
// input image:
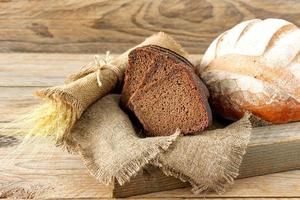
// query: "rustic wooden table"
[[64, 175], [78, 26]]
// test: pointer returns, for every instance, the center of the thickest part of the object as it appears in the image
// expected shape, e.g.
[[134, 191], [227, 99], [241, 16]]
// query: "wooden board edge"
[[276, 154]]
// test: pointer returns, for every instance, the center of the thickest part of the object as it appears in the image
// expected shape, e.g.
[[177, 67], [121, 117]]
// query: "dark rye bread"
[[139, 61], [159, 70], [170, 95]]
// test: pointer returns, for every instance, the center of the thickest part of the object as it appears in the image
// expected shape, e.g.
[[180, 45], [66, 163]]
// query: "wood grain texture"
[[64, 176], [58, 175], [16, 101], [273, 185], [39, 70], [95, 26]]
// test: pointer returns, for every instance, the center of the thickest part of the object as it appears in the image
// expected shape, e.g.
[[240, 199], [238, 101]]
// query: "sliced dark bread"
[[143, 63], [163, 63], [170, 96], [172, 103], [139, 61]]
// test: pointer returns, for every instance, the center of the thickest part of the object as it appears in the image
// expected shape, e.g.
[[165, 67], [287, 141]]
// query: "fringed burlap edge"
[[231, 171], [57, 96], [131, 168]]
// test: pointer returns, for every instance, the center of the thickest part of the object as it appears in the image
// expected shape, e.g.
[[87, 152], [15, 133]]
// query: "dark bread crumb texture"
[[163, 91], [139, 60]]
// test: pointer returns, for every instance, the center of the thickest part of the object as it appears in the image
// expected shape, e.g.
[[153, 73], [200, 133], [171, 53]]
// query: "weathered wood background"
[[94, 26]]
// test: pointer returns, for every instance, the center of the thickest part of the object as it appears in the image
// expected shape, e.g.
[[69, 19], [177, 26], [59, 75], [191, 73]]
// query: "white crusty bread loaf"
[[255, 66]]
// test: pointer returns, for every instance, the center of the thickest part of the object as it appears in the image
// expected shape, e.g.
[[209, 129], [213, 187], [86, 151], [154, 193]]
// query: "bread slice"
[[142, 64], [170, 96], [139, 61], [159, 70]]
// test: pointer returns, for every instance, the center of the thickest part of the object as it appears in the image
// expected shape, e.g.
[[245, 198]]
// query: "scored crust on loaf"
[[171, 96], [255, 66]]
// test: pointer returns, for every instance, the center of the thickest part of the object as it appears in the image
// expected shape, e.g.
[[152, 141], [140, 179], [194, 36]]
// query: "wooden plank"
[[285, 184], [65, 177], [58, 175], [39, 70], [220, 198], [16, 102], [271, 149], [97, 25]]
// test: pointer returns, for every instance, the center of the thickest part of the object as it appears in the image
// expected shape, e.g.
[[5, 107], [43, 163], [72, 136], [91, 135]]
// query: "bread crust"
[[262, 77]]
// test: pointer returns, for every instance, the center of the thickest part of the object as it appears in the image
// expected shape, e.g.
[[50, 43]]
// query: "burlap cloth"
[[108, 143], [94, 81]]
